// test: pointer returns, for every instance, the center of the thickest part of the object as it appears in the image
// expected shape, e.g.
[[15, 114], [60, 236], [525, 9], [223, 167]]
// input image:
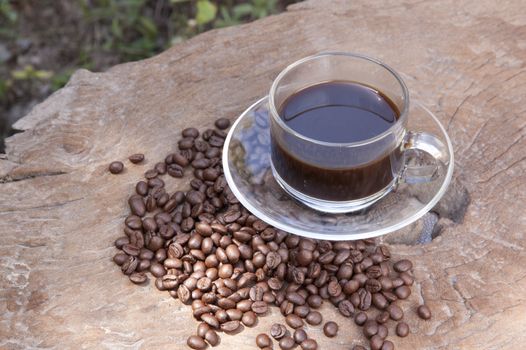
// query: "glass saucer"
[[246, 164]]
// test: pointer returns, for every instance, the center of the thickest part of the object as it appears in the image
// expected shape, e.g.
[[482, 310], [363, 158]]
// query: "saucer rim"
[[330, 236]]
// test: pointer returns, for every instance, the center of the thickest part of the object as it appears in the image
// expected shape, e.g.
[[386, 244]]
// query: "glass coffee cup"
[[339, 141]]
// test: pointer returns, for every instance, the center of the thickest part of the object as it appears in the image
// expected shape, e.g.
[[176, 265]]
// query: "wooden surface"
[[60, 210]]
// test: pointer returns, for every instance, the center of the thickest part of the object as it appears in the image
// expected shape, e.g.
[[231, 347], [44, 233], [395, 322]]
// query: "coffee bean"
[[294, 321], [407, 278], [379, 301], [259, 307], [388, 345], [129, 266], [211, 337], [209, 318], [120, 258], [382, 317], [299, 336], [263, 340], [249, 319], [403, 265], [403, 292], [373, 285], [287, 343], [423, 312], [383, 331], [364, 299], [330, 329], [309, 344], [314, 318], [196, 342], [190, 132], [230, 326], [137, 205], [350, 287], [395, 312], [222, 123], [302, 310], [256, 293], [278, 331], [360, 318], [116, 167], [138, 277], [136, 158], [295, 298], [202, 329], [334, 289], [376, 342], [370, 328], [314, 301], [346, 308], [402, 329]]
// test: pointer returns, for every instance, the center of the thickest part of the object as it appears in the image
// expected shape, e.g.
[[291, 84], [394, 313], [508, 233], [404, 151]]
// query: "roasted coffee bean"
[[403, 265], [209, 319], [302, 311], [256, 293], [346, 308], [330, 329], [120, 258], [423, 312], [364, 299], [136, 158], [116, 167], [388, 345], [249, 319], [314, 301], [397, 282], [259, 307], [370, 328], [389, 296], [334, 289], [373, 272], [360, 318], [263, 340], [376, 342], [202, 329], [379, 301], [295, 298], [382, 317], [402, 329], [222, 123], [190, 132], [299, 336], [141, 188], [230, 326], [403, 292], [350, 287], [196, 342], [287, 343], [138, 277], [382, 331], [309, 344], [137, 205], [129, 266], [294, 321], [278, 331], [212, 338], [314, 318], [395, 312]]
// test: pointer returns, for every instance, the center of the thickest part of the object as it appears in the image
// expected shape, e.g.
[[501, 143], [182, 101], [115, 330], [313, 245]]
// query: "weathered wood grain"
[[60, 210]]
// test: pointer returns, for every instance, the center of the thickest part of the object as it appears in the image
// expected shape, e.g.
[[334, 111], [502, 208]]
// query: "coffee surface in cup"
[[337, 112]]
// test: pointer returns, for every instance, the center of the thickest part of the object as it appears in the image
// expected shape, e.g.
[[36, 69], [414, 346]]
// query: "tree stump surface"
[[61, 210]]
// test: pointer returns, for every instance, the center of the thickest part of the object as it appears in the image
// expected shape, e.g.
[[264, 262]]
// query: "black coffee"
[[337, 112]]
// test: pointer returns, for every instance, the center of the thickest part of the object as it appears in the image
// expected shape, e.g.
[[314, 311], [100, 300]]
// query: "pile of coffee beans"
[[205, 249]]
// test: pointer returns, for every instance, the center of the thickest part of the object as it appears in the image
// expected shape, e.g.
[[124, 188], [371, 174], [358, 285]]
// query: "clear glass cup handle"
[[425, 157]]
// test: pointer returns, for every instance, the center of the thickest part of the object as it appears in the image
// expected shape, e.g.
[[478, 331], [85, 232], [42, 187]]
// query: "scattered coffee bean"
[[196, 342], [424, 312], [330, 329], [314, 318], [278, 331], [263, 340], [207, 250], [222, 123], [309, 344], [370, 328], [299, 335], [116, 167], [402, 329], [287, 343], [136, 158], [376, 342], [388, 345], [211, 337]]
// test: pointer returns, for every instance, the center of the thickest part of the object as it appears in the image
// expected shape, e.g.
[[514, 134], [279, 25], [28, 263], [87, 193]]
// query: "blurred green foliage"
[[109, 32]]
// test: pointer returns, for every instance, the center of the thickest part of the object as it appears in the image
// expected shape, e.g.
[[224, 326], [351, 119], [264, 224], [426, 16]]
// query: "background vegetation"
[[42, 42]]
